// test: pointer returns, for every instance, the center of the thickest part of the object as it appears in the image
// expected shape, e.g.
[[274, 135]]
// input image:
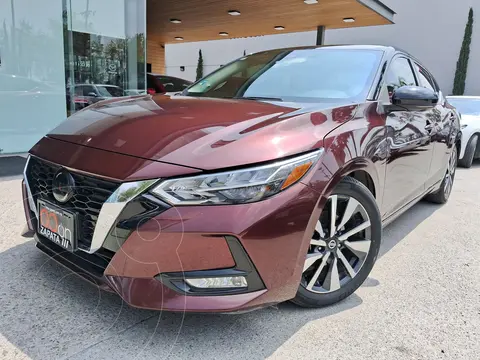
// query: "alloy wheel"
[[450, 175], [339, 246]]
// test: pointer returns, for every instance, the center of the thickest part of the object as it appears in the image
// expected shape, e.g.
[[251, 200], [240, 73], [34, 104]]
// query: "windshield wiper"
[[259, 98]]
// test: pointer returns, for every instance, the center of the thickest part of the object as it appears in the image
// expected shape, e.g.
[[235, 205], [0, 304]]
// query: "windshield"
[[110, 91], [466, 106], [305, 75]]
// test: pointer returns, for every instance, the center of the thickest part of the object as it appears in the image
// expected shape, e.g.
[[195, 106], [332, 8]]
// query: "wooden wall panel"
[[156, 55]]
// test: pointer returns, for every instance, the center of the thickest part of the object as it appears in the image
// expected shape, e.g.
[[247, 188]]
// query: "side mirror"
[[414, 97], [92, 94]]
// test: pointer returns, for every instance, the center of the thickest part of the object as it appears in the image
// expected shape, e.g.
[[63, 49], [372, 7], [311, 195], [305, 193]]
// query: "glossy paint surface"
[[401, 153], [201, 133]]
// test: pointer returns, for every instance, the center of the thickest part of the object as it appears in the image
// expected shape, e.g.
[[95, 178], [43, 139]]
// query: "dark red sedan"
[[268, 180]]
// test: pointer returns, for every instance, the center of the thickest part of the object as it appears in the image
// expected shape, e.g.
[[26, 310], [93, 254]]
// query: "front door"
[[439, 123], [410, 147]]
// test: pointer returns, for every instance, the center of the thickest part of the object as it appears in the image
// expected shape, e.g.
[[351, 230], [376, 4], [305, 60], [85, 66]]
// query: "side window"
[[425, 79], [87, 89], [399, 74], [172, 84]]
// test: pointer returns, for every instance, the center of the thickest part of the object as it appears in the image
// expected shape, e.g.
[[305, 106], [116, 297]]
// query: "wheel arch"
[[361, 169], [366, 179], [477, 149], [462, 141]]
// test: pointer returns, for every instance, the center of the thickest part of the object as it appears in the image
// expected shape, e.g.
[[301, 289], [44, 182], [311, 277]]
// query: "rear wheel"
[[467, 159], [343, 248], [442, 195]]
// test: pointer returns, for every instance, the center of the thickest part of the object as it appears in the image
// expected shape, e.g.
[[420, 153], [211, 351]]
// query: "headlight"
[[239, 186]]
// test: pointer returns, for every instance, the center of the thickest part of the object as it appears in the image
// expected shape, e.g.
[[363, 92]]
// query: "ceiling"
[[205, 19]]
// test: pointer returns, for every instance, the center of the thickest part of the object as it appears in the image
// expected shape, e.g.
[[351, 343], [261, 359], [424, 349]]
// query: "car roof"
[[463, 97], [167, 76], [105, 85], [346, 47], [154, 74], [388, 49]]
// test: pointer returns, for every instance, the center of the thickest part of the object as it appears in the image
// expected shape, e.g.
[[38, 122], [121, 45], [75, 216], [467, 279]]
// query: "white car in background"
[[469, 109]]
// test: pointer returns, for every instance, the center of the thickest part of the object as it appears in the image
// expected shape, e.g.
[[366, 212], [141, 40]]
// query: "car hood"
[[203, 133]]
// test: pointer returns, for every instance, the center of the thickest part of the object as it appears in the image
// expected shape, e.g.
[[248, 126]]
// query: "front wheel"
[[343, 248]]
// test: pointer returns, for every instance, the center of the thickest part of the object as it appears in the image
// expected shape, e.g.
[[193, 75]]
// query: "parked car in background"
[[135, 92], [163, 84], [87, 94], [469, 109], [268, 180]]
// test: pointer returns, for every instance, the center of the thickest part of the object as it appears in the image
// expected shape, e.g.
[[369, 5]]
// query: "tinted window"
[[323, 74], [425, 78], [79, 90], [88, 89], [399, 74], [110, 91], [466, 106], [150, 82], [173, 84]]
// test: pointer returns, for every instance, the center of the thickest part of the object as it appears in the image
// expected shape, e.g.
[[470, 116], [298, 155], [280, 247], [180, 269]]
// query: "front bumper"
[[144, 263]]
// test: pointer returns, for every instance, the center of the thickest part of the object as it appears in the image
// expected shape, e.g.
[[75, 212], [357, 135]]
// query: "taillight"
[[151, 91]]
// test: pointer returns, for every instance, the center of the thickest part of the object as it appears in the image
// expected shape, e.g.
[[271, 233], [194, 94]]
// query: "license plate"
[[57, 225]]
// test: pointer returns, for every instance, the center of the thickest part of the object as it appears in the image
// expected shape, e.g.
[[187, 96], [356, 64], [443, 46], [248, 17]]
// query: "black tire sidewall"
[[439, 196], [470, 152], [358, 191]]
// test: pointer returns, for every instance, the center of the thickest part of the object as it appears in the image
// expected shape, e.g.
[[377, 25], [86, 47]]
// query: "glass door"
[[105, 50]]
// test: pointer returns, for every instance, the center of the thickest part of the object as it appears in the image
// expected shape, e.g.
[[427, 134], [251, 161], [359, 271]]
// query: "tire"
[[441, 196], [467, 159], [366, 211]]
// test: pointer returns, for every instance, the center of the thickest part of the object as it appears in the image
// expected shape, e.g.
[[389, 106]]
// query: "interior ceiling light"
[[176, 21], [179, 38], [349, 20], [234, 12], [279, 28], [223, 33], [310, 2]]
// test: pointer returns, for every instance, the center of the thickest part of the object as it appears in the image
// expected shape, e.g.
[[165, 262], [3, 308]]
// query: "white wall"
[[221, 52], [432, 30]]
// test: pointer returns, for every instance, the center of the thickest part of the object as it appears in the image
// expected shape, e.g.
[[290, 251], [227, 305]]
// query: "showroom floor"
[[422, 301]]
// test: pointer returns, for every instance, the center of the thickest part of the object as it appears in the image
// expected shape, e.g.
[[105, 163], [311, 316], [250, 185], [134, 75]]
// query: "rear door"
[[410, 147], [439, 125]]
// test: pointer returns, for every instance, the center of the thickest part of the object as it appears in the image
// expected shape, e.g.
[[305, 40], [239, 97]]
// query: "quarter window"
[[79, 90], [88, 89], [400, 74], [425, 79]]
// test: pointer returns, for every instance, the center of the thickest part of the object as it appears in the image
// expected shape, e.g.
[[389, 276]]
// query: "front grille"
[[89, 196]]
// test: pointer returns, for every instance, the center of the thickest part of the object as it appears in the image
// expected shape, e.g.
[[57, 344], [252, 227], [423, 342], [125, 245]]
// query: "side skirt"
[[398, 213]]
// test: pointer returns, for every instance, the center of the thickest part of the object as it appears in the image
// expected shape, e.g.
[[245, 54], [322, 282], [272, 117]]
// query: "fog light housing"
[[228, 282]]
